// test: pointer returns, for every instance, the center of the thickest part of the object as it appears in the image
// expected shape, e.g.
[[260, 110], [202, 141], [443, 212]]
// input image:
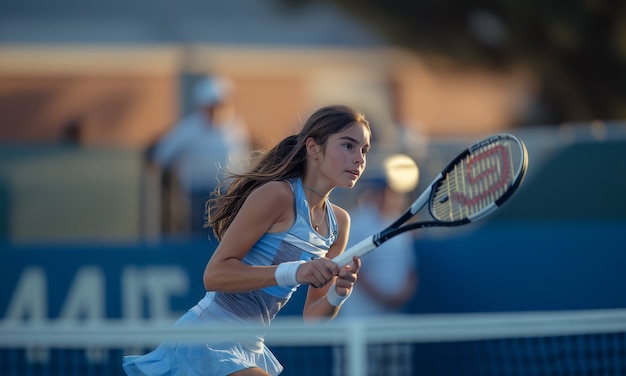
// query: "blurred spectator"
[[388, 276], [203, 144], [73, 132]]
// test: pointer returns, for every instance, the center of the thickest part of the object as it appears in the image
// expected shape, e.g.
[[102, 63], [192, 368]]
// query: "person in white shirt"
[[199, 148]]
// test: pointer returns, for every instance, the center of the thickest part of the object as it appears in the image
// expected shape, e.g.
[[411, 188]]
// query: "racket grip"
[[361, 248]]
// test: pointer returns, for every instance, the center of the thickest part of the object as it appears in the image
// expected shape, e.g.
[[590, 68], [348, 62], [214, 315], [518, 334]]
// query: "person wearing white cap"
[[204, 143]]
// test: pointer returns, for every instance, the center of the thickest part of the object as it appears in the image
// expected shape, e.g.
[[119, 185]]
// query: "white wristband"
[[335, 299], [286, 273]]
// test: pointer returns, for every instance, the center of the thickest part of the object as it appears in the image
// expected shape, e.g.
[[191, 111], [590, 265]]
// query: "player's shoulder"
[[342, 215], [278, 191]]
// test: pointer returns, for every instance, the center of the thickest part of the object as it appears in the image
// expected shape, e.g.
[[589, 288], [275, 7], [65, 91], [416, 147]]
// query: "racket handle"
[[361, 248]]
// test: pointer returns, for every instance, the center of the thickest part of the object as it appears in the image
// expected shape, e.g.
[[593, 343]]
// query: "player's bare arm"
[[268, 208]]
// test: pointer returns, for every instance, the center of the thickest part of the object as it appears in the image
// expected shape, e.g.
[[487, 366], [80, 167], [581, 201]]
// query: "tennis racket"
[[472, 186]]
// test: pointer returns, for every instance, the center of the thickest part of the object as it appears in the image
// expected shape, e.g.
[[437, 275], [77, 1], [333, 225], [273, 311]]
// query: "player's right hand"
[[317, 273]]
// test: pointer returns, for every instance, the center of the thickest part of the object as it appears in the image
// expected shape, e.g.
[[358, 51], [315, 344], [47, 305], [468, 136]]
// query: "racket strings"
[[474, 183]]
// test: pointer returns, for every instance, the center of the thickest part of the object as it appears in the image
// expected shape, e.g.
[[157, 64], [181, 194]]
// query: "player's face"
[[345, 156]]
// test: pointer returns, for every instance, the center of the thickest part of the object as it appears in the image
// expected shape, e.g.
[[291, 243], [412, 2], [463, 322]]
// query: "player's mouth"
[[355, 173]]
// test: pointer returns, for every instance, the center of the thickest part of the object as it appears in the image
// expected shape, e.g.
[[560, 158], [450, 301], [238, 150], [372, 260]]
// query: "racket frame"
[[426, 197]]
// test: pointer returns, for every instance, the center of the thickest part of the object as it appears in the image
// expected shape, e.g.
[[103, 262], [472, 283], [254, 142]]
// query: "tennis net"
[[526, 343]]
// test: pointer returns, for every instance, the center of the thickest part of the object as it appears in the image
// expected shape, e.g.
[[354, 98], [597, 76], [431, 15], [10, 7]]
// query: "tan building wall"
[[130, 96], [108, 98]]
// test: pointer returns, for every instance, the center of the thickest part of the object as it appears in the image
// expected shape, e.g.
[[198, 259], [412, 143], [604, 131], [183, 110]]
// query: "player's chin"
[[352, 179]]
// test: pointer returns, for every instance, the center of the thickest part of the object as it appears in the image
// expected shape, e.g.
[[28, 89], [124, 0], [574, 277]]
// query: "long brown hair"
[[284, 161]]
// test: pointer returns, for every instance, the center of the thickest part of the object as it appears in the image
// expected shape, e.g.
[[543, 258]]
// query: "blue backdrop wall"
[[513, 267]]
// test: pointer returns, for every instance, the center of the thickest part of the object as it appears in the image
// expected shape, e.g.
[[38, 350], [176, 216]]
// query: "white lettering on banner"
[[29, 301], [146, 289], [132, 293], [150, 287], [85, 299], [158, 285]]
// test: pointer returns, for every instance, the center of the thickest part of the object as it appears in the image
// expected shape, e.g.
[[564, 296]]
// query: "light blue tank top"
[[300, 242]]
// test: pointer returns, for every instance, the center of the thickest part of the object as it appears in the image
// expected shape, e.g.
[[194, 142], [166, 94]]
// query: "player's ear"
[[313, 148]]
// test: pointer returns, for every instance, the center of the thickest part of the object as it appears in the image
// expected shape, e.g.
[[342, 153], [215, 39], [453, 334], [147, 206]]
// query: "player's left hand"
[[347, 277]]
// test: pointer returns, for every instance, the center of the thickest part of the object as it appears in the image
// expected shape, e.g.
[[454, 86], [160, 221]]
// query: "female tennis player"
[[277, 230]]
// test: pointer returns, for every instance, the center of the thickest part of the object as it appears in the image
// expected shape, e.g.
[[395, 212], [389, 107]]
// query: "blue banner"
[[544, 266], [95, 282]]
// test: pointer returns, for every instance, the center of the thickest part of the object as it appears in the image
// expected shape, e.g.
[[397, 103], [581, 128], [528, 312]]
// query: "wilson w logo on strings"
[[486, 174]]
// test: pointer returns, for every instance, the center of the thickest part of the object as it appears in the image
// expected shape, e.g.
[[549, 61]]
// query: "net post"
[[356, 347]]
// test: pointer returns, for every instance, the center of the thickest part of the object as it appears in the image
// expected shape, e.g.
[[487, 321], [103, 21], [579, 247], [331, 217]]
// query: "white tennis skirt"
[[200, 359]]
